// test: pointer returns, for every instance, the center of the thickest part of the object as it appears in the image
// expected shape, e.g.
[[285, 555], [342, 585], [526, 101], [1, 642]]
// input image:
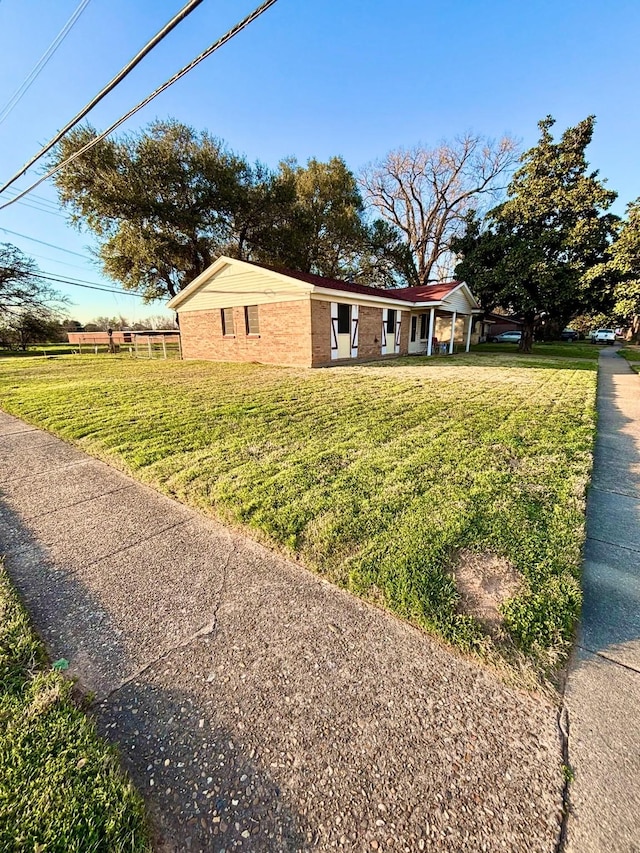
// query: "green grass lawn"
[[559, 349], [40, 350], [61, 787], [376, 476], [632, 354]]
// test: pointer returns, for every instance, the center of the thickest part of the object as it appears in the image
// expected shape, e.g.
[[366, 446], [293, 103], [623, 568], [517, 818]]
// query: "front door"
[[418, 334]]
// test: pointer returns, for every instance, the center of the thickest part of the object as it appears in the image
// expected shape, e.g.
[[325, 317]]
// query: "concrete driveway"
[[256, 706]]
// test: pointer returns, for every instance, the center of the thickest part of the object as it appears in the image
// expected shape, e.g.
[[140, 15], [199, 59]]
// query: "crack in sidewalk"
[[50, 470], [62, 507], [205, 630], [609, 659], [563, 727], [634, 550]]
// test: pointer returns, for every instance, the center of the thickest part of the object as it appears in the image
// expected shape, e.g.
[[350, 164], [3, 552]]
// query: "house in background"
[[243, 311], [499, 323]]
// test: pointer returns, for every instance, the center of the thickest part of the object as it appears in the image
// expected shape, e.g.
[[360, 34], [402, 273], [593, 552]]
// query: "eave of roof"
[[425, 295], [335, 283]]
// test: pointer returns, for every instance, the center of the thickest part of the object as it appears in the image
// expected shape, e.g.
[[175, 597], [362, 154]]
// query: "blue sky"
[[317, 79]]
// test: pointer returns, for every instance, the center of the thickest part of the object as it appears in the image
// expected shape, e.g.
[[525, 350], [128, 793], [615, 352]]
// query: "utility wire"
[[182, 14], [38, 202], [42, 62], [41, 209], [211, 49], [86, 285], [55, 260], [43, 243], [37, 198]]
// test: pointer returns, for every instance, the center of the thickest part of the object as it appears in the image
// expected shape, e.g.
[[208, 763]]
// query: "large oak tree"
[[164, 202]]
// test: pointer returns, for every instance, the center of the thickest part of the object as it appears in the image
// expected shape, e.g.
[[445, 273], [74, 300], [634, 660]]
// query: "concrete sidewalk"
[[603, 689], [256, 706]]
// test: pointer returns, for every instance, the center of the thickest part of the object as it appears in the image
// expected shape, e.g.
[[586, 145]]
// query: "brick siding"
[[370, 332], [283, 337]]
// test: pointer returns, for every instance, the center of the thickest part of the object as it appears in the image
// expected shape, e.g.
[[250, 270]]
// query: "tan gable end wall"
[[283, 339]]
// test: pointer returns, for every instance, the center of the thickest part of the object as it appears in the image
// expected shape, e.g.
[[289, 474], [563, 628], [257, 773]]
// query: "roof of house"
[[504, 318], [429, 294], [424, 293]]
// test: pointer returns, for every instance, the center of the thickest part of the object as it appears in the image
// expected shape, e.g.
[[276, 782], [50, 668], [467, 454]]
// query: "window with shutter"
[[391, 321], [227, 321], [251, 320], [344, 318]]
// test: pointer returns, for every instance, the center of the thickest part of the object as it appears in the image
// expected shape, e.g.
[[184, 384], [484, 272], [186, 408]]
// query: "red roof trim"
[[429, 292]]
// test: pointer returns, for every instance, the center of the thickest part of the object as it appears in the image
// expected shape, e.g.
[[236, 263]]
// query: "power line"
[[182, 14], [86, 285], [55, 260], [39, 198], [41, 209], [185, 70], [43, 243], [42, 62], [38, 202]]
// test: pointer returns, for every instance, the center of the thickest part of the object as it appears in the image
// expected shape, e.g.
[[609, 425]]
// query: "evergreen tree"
[[536, 253]]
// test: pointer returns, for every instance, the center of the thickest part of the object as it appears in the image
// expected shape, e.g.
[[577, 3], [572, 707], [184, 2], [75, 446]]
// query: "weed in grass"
[[377, 476]]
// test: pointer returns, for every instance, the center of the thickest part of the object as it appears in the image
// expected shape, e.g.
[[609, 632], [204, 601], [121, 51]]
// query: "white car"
[[605, 336], [507, 338]]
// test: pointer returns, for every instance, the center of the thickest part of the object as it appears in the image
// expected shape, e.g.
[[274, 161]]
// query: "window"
[[251, 320], [227, 321], [414, 325], [423, 327], [391, 320], [344, 319]]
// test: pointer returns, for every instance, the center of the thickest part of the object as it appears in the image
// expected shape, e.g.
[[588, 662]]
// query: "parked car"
[[569, 335], [605, 336], [507, 338]]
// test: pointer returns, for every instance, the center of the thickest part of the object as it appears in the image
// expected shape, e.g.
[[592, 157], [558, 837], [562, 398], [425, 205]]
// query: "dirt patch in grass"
[[485, 581]]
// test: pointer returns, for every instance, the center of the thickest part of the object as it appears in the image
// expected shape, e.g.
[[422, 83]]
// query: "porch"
[[436, 331]]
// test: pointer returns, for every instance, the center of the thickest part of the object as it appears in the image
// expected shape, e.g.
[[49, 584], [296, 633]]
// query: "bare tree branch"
[[426, 192]]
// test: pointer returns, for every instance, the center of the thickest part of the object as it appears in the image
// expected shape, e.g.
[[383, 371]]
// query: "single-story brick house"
[[243, 311]]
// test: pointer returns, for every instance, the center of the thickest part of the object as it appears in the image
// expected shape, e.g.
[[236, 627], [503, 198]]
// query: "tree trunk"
[[526, 341]]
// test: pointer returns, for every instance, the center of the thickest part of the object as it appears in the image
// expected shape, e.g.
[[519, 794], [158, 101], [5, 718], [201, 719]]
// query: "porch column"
[[432, 315], [469, 333], [453, 331]]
